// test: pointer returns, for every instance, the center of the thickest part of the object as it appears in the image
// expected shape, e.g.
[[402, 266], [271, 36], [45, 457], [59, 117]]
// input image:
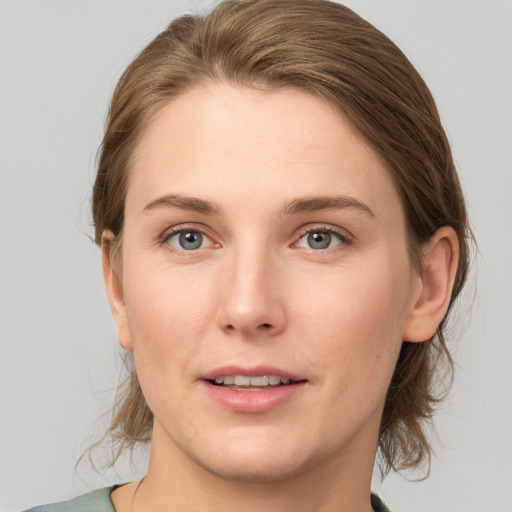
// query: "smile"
[[259, 392], [255, 382]]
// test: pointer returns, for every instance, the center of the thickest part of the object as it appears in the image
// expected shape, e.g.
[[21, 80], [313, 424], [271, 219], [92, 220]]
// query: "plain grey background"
[[59, 61]]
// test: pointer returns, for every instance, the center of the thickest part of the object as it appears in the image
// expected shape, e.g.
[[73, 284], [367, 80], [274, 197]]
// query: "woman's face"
[[266, 286]]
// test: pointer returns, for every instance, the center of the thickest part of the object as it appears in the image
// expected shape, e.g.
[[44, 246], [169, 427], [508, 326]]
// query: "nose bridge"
[[251, 300]]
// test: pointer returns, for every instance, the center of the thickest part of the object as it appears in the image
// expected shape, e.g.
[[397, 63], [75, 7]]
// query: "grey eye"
[[318, 240], [188, 240]]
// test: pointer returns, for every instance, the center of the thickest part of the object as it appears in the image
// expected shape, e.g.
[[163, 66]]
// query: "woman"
[[283, 234]]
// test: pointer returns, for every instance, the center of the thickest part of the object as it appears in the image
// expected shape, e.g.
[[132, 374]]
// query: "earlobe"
[[114, 288], [433, 288]]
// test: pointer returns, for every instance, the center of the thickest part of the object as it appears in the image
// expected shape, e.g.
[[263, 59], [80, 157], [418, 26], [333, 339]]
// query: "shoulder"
[[95, 501]]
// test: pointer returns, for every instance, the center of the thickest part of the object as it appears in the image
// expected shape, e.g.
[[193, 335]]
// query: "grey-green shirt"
[[95, 501], [99, 501]]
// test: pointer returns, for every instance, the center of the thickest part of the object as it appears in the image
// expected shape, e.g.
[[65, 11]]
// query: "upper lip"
[[250, 371]]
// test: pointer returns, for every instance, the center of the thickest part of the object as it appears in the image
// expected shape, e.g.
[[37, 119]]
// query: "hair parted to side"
[[328, 50]]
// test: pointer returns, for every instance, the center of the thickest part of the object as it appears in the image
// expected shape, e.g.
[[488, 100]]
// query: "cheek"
[[168, 316], [163, 303], [357, 321]]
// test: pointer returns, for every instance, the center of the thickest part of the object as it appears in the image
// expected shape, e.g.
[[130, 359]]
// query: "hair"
[[329, 51]]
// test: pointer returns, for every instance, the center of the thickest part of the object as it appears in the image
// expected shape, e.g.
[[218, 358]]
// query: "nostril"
[[266, 326]]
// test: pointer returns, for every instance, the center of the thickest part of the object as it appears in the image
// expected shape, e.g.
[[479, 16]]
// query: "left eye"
[[319, 240], [188, 240]]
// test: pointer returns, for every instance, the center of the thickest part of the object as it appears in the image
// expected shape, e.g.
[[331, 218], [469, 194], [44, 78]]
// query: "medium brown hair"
[[328, 50]]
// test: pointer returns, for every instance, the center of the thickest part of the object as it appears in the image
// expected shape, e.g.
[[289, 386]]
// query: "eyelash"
[[345, 238]]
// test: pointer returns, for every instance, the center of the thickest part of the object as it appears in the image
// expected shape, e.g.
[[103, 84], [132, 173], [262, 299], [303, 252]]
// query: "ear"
[[432, 288], [114, 287]]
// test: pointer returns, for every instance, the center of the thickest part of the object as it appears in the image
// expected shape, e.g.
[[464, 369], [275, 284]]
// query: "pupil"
[[190, 240], [319, 240]]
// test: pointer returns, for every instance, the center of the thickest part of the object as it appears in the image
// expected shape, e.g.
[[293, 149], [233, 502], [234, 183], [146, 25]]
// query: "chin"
[[252, 472], [256, 462]]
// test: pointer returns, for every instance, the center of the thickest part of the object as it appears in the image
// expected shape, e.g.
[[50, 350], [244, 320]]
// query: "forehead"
[[228, 143]]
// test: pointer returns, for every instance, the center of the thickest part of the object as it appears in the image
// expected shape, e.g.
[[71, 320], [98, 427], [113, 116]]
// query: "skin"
[[257, 293]]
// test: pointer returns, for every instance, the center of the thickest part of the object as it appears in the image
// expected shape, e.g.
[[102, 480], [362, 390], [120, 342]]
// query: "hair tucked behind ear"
[[329, 51]]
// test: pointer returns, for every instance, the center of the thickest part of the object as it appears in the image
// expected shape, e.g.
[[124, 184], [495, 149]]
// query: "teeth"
[[242, 380], [256, 381], [274, 380], [259, 381]]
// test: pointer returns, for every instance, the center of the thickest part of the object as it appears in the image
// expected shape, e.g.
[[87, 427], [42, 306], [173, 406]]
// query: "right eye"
[[188, 240]]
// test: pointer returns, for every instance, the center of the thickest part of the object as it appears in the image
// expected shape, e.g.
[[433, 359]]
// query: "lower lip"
[[253, 401]]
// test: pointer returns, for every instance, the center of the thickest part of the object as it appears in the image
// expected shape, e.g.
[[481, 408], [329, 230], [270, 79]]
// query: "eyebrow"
[[296, 206], [191, 204], [318, 203]]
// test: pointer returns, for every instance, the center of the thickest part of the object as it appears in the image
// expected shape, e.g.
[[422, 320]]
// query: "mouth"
[[256, 389], [252, 383]]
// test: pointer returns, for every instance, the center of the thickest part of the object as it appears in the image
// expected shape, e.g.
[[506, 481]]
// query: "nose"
[[252, 296]]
